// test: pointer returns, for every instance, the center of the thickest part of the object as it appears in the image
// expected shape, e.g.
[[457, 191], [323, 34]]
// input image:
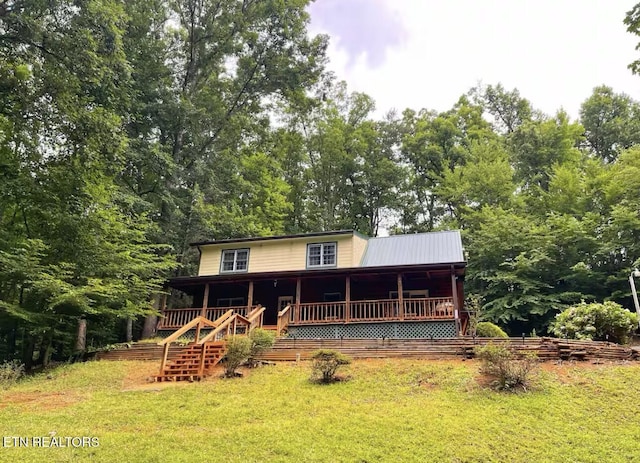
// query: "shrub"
[[599, 322], [238, 352], [261, 340], [10, 373], [507, 372], [326, 363], [489, 330]]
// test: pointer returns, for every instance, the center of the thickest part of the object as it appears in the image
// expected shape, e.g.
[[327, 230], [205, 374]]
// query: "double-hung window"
[[234, 260], [321, 255]]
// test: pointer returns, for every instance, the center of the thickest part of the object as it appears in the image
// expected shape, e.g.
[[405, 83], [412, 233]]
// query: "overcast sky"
[[426, 53]]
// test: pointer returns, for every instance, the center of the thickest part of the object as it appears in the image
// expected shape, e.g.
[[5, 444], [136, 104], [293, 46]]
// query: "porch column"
[[347, 299], [250, 298], [296, 314], [454, 291], [400, 298], [203, 312]]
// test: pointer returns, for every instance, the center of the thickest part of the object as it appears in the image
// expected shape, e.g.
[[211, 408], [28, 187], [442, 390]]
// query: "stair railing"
[[256, 317], [283, 320], [229, 325], [196, 322]]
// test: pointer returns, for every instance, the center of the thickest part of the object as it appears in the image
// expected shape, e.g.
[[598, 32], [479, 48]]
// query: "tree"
[[611, 122]]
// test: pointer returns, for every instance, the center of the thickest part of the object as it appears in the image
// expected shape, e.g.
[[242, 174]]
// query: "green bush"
[[489, 330], [261, 340], [326, 363], [238, 352], [10, 373], [508, 373], [599, 322]]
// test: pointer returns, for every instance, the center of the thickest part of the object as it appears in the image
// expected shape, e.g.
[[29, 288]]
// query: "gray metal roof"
[[419, 249]]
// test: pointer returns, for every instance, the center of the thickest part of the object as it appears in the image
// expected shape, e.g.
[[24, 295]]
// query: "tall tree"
[[611, 122]]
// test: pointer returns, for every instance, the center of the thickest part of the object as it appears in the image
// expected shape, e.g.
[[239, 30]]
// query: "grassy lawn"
[[391, 410]]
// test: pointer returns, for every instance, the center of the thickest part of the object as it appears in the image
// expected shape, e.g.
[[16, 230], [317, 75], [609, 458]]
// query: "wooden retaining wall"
[[288, 349]]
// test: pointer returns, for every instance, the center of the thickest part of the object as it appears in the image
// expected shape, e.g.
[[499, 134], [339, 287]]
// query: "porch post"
[[400, 298], [203, 312], [250, 298], [296, 315], [454, 291], [347, 299]]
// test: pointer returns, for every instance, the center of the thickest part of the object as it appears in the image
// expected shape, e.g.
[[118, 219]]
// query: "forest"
[[129, 129]]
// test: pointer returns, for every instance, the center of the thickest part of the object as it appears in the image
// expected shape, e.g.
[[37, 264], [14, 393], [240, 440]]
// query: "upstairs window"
[[321, 255], [234, 260]]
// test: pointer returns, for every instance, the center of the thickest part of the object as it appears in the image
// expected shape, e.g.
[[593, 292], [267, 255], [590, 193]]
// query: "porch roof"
[[190, 281]]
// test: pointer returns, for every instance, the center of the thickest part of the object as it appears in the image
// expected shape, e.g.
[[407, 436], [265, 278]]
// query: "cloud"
[[360, 27]]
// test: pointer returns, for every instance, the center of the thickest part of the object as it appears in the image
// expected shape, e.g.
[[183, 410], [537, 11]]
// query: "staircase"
[[193, 363]]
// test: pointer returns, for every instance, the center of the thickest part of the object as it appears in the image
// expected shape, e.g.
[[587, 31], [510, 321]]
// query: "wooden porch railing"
[[176, 318], [320, 312], [372, 310]]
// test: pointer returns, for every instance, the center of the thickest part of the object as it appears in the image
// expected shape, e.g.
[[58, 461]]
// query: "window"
[[234, 260], [321, 255], [332, 297], [418, 294], [230, 302]]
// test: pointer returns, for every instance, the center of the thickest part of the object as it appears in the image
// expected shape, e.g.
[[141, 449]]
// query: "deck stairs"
[[191, 363]]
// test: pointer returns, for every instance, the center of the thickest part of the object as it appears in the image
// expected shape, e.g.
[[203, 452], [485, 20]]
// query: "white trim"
[[235, 261], [322, 254]]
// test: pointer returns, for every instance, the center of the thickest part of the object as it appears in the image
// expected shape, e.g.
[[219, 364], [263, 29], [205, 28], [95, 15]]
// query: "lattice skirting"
[[188, 336], [400, 330]]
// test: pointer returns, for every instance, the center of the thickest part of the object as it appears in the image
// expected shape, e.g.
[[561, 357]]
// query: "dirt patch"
[[140, 377], [41, 400]]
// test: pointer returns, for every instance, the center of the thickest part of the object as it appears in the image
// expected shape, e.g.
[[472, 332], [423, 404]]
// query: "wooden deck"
[[309, 313]]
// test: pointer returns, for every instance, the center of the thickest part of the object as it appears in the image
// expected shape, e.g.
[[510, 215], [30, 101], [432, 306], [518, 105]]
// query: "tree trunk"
[[151, 321], [44, 354], [81, 340], [27, 353], [129, 330]]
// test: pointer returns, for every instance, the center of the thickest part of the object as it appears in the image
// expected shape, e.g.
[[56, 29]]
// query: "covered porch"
[[294, 301]]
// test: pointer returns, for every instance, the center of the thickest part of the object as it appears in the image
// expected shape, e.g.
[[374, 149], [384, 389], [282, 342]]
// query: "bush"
[[238, 352], [10, 373], [326, 363], [598, 322], [507, 372], [489, 330], [261, 340]]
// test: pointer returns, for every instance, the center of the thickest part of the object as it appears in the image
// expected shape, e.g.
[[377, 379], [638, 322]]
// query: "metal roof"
[[443, 247]]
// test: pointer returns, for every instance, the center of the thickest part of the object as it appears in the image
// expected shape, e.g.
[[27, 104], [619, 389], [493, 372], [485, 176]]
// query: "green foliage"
[[489, 330], [599, 322], [261, 340], [326, 363], [10, 373], [238, 352], [611, 122], [507, 372]]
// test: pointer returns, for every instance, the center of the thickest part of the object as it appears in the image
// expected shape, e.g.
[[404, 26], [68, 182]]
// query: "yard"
[[390, 410]]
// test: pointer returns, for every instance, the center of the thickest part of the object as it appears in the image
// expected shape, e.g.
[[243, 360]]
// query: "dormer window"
[[234, 260], [321, 255]]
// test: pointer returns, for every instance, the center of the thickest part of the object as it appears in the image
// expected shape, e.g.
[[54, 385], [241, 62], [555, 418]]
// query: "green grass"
[[391, 410]]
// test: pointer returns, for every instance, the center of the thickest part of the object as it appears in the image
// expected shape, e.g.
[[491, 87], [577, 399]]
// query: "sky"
[[427, 53]]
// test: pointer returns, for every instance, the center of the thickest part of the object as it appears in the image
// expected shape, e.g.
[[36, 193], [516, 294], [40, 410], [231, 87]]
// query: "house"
[[336, 284]]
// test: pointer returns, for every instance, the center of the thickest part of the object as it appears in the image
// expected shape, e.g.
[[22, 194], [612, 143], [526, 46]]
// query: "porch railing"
[[175, 318], [373, 310], [430, 308]]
